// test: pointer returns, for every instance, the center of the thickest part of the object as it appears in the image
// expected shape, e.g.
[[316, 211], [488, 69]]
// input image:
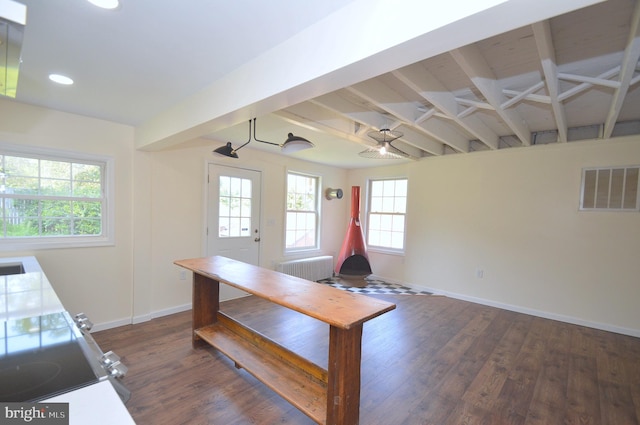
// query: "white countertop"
[[97, 404], [26, 294]]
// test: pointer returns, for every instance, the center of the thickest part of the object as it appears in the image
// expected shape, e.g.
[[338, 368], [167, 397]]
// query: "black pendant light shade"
[[226, 150]]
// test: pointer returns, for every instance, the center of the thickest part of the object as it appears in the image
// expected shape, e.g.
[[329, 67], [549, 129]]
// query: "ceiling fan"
[[384, 149]]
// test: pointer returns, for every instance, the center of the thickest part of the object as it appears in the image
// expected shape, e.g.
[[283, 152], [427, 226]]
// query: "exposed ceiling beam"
[[546, 51], [427, 85], [470, 59], [475, 103], [591, 80], [350, 110], [586, 86], [370, 119], [426, 115], [389, 101], [522, 95], [317, 118], [417, 140], [539, 98], [627, 69]]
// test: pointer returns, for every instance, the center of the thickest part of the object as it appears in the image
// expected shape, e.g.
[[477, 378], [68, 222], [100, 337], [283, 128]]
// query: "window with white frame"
[[387, 213], [51, 199], [302, 212]]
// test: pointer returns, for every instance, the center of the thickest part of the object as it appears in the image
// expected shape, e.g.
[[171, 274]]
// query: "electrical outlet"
[[479, 273], [183, 275]]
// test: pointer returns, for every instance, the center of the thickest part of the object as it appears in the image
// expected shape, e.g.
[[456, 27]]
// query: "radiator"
[[314, 268]]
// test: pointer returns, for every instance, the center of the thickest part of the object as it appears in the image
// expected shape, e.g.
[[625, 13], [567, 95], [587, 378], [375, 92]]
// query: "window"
[[387, 211], [302, 212], [50, 199], [611, 189]]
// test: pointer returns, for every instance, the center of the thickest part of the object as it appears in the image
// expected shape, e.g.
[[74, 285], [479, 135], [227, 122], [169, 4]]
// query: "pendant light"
[[292, 144], [295, 144]]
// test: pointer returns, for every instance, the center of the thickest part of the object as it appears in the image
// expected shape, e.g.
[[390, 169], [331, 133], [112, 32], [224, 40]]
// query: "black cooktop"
[[41, 357]]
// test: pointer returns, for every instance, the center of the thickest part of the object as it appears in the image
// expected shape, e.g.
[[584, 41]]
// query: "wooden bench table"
[[328, 396]]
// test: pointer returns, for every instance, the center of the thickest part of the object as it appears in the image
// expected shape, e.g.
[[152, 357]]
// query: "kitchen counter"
[[28, 293], [37, 338]]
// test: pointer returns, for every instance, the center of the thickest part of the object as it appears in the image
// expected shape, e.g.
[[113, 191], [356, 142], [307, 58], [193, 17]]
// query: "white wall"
[[97, 281], [514, 214], [174, 219]]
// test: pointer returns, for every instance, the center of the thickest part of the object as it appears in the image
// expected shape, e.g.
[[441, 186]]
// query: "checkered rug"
[[372, 286]]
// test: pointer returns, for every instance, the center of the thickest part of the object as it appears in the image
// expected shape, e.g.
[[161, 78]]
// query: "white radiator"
[[314, 268]]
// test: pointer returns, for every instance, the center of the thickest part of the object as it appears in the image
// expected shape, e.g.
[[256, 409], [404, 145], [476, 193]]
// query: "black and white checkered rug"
[[373, 286]]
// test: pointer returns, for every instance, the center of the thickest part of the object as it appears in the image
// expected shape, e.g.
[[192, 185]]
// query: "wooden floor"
[[433, 360]]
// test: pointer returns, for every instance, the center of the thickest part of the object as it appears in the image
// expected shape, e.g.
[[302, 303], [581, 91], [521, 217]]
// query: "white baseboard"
[[172, 310], [482, 301], [108, 325], [142, 318], [388, 280], [533, 312]]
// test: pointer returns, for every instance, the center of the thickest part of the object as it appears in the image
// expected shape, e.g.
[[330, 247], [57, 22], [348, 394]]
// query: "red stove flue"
[[353, 261]]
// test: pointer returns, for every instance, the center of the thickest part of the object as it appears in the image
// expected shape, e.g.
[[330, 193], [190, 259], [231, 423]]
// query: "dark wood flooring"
[[433, 360]]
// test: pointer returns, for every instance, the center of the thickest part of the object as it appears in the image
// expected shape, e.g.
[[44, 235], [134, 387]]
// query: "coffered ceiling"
[[500, 75]]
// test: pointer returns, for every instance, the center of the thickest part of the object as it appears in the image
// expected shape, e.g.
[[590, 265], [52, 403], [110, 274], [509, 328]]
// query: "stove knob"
[[83, 322], [109, 358], [117, 370]]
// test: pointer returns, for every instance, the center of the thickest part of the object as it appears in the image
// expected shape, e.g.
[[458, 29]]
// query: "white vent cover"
[[610, 189]]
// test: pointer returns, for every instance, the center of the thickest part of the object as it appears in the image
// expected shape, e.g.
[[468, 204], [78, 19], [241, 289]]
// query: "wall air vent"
[[610, 189], [13, 18]]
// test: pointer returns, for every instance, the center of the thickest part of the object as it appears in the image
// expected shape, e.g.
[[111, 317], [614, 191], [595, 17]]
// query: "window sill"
[[302, 252], [388, 251], [54, 243]]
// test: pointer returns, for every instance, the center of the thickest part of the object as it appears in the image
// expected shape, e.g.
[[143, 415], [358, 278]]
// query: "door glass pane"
[[234, 207]]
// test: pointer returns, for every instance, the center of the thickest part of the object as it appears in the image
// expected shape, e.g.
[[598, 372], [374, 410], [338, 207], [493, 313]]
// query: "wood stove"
[[353, 260]]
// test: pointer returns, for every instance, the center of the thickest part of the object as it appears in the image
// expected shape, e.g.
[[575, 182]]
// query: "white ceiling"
[[454, 78]]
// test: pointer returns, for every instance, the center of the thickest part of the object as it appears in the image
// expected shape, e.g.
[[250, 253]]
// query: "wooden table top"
[[338, 308]]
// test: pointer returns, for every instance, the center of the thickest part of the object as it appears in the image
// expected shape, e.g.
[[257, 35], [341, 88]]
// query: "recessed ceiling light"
[[60, 79], [106, 4]]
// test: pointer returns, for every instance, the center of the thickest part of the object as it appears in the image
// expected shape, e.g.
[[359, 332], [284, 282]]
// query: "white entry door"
[[233, 216]]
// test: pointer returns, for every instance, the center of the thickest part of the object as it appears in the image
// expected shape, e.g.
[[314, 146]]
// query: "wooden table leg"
[[205, 305], [343, 389]]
